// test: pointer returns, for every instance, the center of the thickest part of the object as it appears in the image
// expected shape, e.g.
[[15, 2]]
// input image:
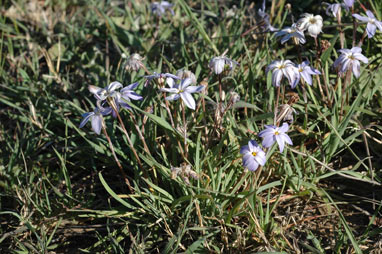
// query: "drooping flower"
[[349, 59], [220, 63], [349, 3], [291, 33], [127, 94], [160, 76], [134, 62], [273, 134], [372, 23], [282, 68], [335, 9], [183, 74], [266, 24], [184, 91], [96, 118], [102, 94], [253, 155], [160, 8], [311, 23], [305, 72]]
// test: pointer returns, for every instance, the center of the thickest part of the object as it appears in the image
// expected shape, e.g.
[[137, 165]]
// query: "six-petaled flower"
[[305, 72], [372, 23], [160, 8], [293, 33], [220, 63], [349, 60], [273, 134], [313, 24], [253, 155], [280, 69], [184, 91], [96, 118]]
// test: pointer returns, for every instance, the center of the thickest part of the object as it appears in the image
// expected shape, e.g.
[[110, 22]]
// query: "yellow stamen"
[[254, 153]]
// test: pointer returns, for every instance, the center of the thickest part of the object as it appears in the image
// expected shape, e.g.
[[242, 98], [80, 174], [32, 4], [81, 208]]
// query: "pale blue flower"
[[102, 94], [253, 155], [265, 19], [282, 68], [96, 118], [349, 59], [293, 33], [159, 76], [305, 72], [349, 3], [273, 134], [160, 8], [127, 94], [220, 63], [184, 91], [372, 23], [335, 9]]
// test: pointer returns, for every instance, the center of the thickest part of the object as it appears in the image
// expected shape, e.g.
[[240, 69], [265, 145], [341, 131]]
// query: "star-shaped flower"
[[127, 94], [372, 23], [282, 68], [184, 91], [273, 134], [305, 72], [335, 9], [160, 8], [253, 155], [311, 23], [349, 59], [219, 63], [96, 118], [291, 33], [102, 94]]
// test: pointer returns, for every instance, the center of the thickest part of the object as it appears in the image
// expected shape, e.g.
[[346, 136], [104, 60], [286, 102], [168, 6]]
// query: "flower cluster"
[[253, 154]]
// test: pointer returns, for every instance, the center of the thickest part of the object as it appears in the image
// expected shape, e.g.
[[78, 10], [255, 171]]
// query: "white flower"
[[134, 62], [311, 23], [291, 33], [282, 68], [372, 23], [110, 91], [219, 63], [183, 90], [349, 59], [183, 74]]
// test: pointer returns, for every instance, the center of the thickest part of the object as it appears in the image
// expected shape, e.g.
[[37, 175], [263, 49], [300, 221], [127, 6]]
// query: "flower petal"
[[188, 100], [361, 18], [113, 86], [356, 68], [172, 97], [194, 89], [97, 124], [170, 90], [244, 149], [280, 142], [86, 117], [284, 128]]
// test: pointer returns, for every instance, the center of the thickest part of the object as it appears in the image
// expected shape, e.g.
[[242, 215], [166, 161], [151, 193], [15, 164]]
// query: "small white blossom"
[[313, 24]]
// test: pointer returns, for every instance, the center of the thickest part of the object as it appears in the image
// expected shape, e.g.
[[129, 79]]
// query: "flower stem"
[[276, 105], [115, 157], [220, 89], [139, 133], [112, 104], [184, 130]]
